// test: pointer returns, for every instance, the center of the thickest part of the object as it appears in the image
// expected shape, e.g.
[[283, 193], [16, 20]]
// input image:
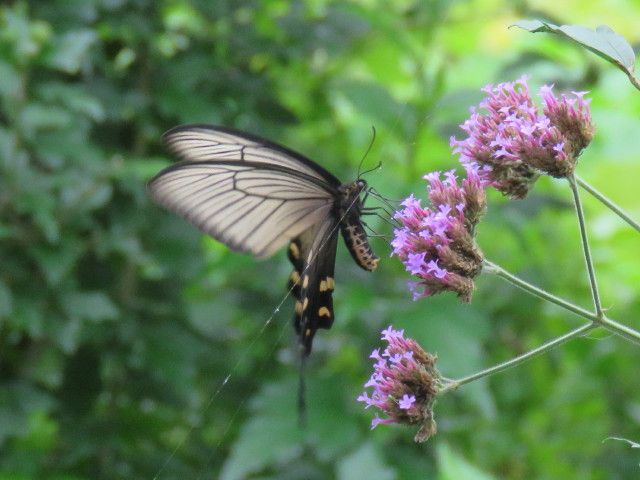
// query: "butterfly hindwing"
[[313, 256]]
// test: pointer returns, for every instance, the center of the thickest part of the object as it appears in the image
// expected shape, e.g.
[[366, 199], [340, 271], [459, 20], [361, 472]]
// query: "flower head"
[[516, 141], [572, 117], [436, 243], [405, 383]]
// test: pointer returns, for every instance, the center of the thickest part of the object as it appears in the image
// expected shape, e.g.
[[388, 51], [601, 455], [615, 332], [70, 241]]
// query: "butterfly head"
[[350, 194]]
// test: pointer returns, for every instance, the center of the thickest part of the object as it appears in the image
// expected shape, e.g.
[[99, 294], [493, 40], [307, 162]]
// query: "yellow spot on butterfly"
[[298, 308], [305, 281], [295, 251], [326, 284], [307, 332], [324, 312], [305, 303], [295, 277]]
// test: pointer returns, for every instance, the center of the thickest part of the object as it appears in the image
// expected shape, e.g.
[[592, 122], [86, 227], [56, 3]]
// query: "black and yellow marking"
[[327, 284], [294, 250], [311, 283], [356, 240]]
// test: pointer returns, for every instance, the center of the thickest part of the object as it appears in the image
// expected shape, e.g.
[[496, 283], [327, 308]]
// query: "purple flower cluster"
[[572, 117], [405, 383], [516, 141], [436, 243]]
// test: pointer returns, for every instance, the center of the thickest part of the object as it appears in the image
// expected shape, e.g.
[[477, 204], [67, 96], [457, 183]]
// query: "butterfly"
[[256, 196]]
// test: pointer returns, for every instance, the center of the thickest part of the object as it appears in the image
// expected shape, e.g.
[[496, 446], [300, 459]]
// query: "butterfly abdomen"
[[356, 240], [349, 211]]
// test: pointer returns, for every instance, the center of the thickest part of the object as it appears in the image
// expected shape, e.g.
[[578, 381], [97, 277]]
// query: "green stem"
[[602, 320], [612, 206], [585, 247], [537, 291], [454, 384], [620, 329]]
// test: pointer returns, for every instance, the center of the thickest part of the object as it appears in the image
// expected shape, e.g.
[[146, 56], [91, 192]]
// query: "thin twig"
[[606, 201], [620, 329], [585, 247], [520, 358], [603, 321], [534, 290]]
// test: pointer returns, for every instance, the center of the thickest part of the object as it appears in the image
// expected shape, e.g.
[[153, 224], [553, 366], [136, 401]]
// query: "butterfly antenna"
[[379, 165], [302, 403], [373, 139]]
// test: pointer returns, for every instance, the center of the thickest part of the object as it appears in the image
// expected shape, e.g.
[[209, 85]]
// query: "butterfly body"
[[256, 196], [355, 238]]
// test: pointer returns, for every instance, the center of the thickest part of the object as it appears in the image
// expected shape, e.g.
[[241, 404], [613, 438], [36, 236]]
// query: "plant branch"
[[620, 329], [585, 247], [606, 201], [536, 291], [454, 384], [603, 321]]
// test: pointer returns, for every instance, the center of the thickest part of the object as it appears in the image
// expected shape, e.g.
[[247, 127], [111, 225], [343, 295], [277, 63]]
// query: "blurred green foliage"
[[119, 322]]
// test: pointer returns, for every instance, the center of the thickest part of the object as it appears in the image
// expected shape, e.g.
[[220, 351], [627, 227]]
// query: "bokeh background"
[[119, 322]]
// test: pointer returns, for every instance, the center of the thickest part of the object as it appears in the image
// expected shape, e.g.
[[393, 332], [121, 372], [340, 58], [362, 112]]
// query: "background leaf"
[[602, 41]]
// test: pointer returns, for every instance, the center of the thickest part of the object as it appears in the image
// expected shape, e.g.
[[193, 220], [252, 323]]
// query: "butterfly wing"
[[251, 194], [255, 196], [313, 255], [197, 143]]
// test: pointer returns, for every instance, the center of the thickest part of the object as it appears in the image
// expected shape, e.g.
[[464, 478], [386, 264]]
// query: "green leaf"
[[124, 59], [42, 431], [183, 17], [93, 306], [6, 300], [272, 426], [454, 467], [74, 98], [602, 41], [37, 116], [366, 462], [10, 84], [332, 429], [18, 401], [72, 50], [56, 262], [370, 104]]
